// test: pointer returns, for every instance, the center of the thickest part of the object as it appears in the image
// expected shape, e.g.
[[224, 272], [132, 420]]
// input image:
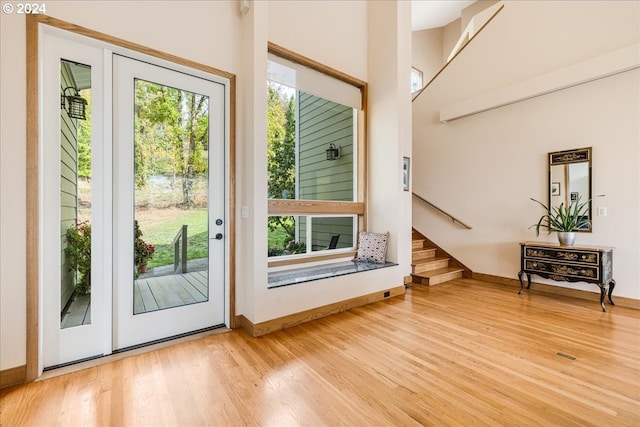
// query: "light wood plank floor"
[[463, 353]]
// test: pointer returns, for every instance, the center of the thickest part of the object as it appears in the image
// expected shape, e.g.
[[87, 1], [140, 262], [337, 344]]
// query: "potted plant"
[[78, 255], [564, 220], [143, 251]]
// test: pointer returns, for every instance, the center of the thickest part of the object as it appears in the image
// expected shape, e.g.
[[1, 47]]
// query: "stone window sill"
[[277, 279]]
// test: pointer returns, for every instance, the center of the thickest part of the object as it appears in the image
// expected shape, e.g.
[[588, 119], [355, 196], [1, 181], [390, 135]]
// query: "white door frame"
[[53, 27]]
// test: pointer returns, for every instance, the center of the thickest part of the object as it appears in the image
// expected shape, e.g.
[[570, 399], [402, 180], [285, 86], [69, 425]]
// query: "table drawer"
[[565, 255], [573, 271]]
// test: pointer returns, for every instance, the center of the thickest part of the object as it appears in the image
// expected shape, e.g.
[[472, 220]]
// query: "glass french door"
[[132, 202], [169, 217]]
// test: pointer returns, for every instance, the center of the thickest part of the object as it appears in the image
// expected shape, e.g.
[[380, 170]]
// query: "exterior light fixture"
[[333, 152], [73, 103]]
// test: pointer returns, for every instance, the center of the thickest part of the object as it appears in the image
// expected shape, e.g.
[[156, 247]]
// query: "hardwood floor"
[[463, 353]]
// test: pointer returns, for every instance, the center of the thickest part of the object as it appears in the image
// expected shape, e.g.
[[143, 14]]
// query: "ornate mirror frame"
[[570, 179]]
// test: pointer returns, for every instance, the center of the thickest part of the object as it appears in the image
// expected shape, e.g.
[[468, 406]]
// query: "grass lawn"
[[160, 226]]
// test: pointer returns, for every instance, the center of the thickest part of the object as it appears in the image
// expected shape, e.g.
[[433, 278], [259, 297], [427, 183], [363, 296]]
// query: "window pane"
[[75, 194], [416, 80], [310, 146], [285, 237], [329, 233], [171, 234], [281, 141], [288, 235]]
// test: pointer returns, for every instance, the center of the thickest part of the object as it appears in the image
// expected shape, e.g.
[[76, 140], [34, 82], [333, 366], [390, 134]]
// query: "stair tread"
[[438, 272], [415, 250], [423, 254], [429, 260]]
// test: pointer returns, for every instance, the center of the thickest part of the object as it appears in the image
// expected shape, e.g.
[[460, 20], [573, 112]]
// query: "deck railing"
[[180, 253]]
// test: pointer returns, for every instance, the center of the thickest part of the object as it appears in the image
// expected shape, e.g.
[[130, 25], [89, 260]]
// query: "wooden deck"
[[78, 313], [150, 294], [157, 293]]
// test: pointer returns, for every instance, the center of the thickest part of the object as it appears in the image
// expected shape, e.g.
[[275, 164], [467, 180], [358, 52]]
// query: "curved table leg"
[[602, 292], [612, 284], [520, 274]]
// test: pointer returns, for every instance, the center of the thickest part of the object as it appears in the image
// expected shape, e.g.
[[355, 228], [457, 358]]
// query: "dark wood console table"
[[570, 264]]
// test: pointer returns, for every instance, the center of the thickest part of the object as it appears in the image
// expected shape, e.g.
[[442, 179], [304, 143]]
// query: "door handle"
[[219, 236]]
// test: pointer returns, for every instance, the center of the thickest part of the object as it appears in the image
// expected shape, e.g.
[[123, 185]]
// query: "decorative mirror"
[[570, 179]]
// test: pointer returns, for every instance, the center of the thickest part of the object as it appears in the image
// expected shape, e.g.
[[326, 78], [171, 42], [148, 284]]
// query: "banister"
[[419, 92], [453, 218]]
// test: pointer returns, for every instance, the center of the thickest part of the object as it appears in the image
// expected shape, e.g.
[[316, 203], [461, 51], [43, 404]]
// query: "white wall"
[[331, 32], [427, 52], [450, 36], [216, 34], [13, 317], [472, 10], [485, 167], [390, 124]]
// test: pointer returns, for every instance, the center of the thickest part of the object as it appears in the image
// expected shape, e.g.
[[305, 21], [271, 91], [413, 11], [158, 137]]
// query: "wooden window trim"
[[320, 207], [314, 207]]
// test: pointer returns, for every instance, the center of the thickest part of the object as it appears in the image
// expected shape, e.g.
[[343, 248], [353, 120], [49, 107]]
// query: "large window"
[[315, 145]]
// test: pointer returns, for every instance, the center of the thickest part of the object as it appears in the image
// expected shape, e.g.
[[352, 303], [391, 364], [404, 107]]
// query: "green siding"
[[320, 123]]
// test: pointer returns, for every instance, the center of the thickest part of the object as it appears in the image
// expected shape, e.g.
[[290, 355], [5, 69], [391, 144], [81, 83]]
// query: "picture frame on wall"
[[574, 196], [406, 164], [555, 188]]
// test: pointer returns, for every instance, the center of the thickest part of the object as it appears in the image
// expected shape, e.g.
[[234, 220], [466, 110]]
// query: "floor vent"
[[566, 356]]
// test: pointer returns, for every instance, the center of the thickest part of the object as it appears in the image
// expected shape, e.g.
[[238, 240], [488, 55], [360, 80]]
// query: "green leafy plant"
[[78, 255], [143, 251], [294, 247], [563, 218]]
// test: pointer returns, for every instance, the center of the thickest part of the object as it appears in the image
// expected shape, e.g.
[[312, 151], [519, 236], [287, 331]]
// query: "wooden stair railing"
[[453, 218]]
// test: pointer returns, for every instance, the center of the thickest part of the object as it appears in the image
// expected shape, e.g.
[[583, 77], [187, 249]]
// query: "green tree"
[[281, 137], [84, 139], [171, 135]]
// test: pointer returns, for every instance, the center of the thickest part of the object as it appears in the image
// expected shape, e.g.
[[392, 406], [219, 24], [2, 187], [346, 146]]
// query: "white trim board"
[[606, 65]]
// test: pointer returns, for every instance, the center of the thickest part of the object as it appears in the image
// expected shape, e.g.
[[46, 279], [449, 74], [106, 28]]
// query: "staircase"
[[427, 266]]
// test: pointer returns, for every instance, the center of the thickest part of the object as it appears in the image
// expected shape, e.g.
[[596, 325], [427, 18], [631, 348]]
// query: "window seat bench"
[[306, 274]]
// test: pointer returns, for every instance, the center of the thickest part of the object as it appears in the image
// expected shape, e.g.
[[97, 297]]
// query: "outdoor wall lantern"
[[73, 103], [333, 152]]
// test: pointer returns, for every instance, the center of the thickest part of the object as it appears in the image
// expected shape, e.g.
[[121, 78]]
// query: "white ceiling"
[[427, 14]]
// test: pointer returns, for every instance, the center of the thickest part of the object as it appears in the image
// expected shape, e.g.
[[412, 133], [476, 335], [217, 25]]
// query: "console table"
[[570, 264]]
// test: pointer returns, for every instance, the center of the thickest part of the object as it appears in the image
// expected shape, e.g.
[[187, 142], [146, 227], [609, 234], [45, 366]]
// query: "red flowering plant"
[[143, 251], [78, 255]]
